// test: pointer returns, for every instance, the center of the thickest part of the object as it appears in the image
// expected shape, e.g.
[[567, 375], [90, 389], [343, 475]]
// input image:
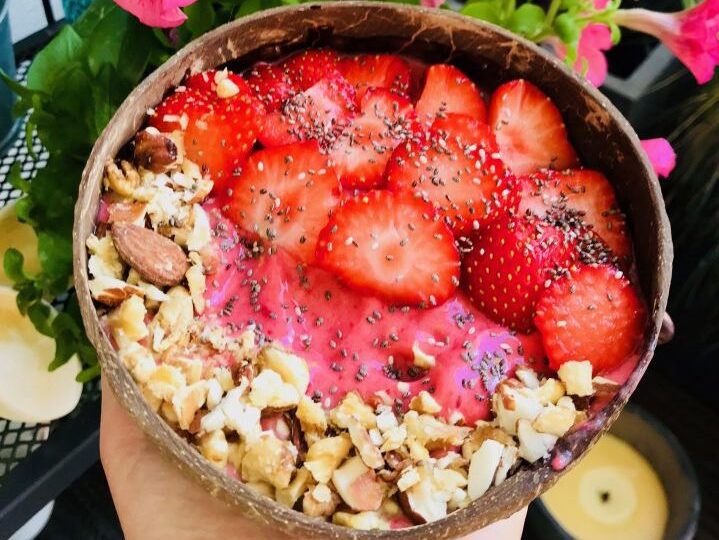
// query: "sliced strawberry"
[[464, 179], [306, 68], [532, 350], [206, 81], [594, 314], [530, 130], [218, 133], [584, 194], [390, 245], [448, 90], [366, 71], [467, 130], [285, 195], [363, 149], [320, 113], [513, 259], [271, 84]]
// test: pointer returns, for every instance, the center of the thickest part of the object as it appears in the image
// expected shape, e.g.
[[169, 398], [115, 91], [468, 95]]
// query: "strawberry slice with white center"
[[219, 133], [513, 259], [320, 113], [448, 90], [463, 177], [284, 196], [306, 68], [271, 84], [593, 314], [363, 149], [581, 193], [390, 245], [367, 71], [530, 129]]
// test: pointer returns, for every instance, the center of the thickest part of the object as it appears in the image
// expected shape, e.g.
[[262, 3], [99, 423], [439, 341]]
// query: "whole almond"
[[157, 259]]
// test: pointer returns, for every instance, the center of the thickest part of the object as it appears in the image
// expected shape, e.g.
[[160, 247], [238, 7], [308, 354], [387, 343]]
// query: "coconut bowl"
[[488, 54]]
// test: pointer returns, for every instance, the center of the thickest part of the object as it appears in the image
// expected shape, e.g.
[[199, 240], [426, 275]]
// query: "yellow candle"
[[612, 493]]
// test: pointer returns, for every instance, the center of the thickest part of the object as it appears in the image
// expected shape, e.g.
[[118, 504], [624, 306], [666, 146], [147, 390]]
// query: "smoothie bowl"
[[367, 270]]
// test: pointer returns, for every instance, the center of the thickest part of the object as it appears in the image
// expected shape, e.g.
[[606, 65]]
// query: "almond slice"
[[157, 259]]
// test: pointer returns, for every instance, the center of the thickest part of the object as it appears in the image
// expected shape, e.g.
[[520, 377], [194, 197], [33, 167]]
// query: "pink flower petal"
[[157, 13], [661, 155], [591, 62], [431, 3], [692, 35]]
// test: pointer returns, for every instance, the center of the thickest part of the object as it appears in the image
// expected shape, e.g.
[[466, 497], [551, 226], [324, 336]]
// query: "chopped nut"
[[152, 400], [187, 401], [511, 403], [424, 403], [129, 319], [312, 418], [263, 488], [425, 501], [352, 406], [320, 501], [550, 391], [357, 485], [483, 467], [325, 455], [481, 434], [123, 182], [196, 283], [213, 421], [421, 359], [111, 291], [386, 420], [213, 446], [226, 88], [554, 420], [577, 377], [292, 493], [269, 390], [154, 151], [267, 459], [417, 451], [127, 211], [408, 478], [290, 367], [433, 433], [364, 521], [201, 234], [366, 449], [509, 458], [166, 381], [394, 438], [104, 260], [528, 377], [236, 453], [190, 367], [214, 393], [239, 416], [533, 445], [173, 319]]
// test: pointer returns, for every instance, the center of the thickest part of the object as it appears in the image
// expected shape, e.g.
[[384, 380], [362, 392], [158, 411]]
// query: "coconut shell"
[[603, 138]]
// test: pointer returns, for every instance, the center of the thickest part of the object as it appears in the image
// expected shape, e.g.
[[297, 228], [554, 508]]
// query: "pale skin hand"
[[154, 500]]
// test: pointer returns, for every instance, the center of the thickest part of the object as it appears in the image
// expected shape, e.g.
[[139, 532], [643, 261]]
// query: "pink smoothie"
[[357, 342]]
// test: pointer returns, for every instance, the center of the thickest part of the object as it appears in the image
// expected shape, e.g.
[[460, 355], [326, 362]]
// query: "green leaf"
[[490, 11], [567, 29], [527, 20], [88, 374], [200, 17], [94, 15], [13, 262], [16, 180], [27, 295], [104, 42], [40, 314], [18, 88], [249, 6], [50, 63], [616, 33]]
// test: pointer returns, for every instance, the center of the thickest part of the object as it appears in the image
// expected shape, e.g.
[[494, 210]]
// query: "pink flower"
[[692, 35], [591, 62], [661, 155], [157, 13], [431, 3]]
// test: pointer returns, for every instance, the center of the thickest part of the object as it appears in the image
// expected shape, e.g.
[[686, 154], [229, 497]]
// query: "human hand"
[[154, 500]]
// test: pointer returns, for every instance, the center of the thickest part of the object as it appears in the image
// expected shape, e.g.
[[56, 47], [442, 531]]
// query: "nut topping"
[[157, 259], [154, 151]]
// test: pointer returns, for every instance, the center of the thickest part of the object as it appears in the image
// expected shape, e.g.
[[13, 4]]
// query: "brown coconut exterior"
[[491, 55]]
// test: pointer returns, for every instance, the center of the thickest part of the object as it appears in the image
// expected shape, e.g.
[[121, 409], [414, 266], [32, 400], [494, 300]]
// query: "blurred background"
[[59, 460]]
